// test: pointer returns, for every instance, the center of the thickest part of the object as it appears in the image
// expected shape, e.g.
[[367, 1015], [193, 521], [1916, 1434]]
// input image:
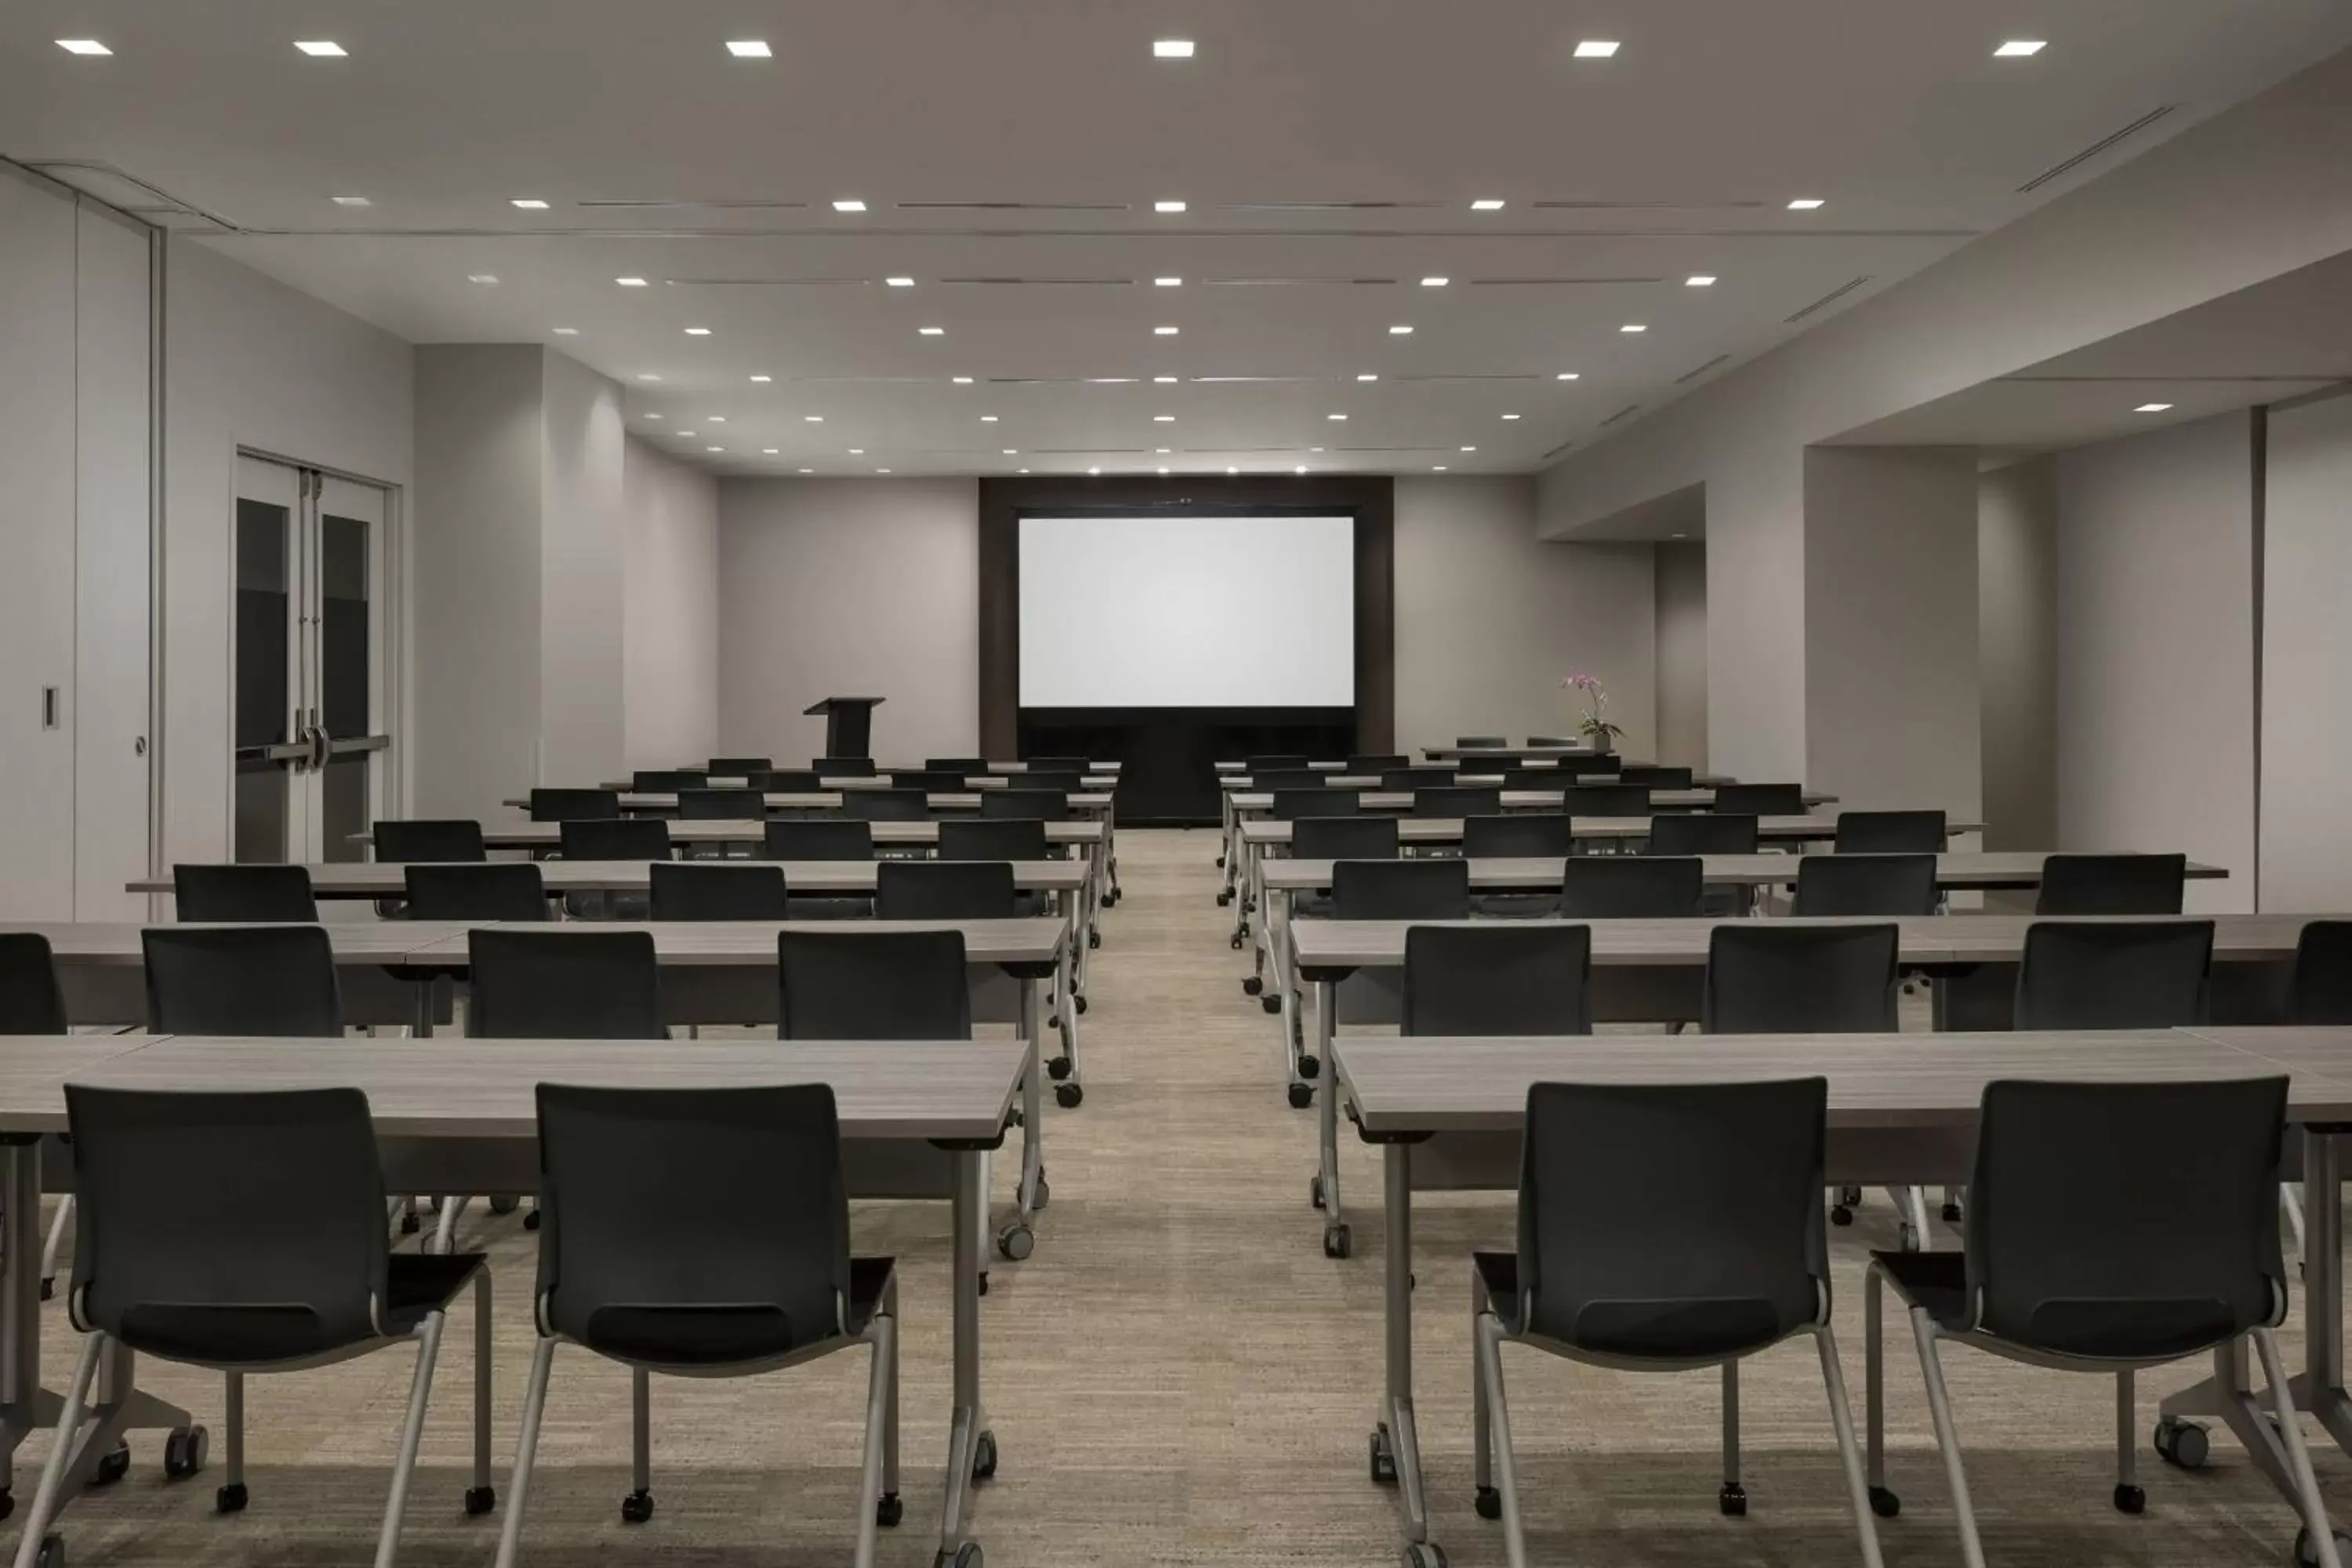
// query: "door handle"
[[319, 741]]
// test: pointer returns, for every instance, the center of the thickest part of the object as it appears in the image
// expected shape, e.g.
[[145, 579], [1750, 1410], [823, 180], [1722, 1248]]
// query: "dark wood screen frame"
[[1370, 500]]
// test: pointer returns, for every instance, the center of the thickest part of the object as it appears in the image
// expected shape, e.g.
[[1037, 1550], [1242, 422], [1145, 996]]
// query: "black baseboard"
[[1167, 776]]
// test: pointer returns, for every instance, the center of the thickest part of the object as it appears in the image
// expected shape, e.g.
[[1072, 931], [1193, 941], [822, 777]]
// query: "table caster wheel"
[[1068, 1095], [1335, 1238], [889, 1511], [1082, 1005], [1235, 941], [964, 1556], [49, 1289], [2183, 1443], [230, 1498], [983, 1282], [1383, 1457], [504, 1202], [1223, 897], [1301, 1096], [2130, 1499], [1733, 1501], [1015, 1242], [409, 1221], [636, 1507], [1951, 1212], [1311, 1066], [983, 1457], [1252, 985], [184, 1452], [1057, 1068], [2306, 1555], [1425, 1554], [479, 1501], [1841, 1215], [1094, 938], [1315, 1190], [1489, 1503], [52, 1553], [1885, 1503], [1272, 1005], [113, 1467], [530, 1220]]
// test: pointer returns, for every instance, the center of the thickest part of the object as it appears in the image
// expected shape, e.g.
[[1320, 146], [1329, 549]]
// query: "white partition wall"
[[2307, 787]]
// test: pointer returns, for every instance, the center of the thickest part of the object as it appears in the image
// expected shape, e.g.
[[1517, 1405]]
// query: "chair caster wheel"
[[479, 1501], [2306, 1555], [1301, 1096], [1015, 1242], [410, 1223], [1082, 1005], [1951, 1214], [1336, 1240], [1234, 941], [1489, 1503], [1885, 1503], [983, 1282], [1272, 1005], [1841, 1215], [1224, 899], [2183, 1443], [983, 1457], [1057, 1068], [2130, 1499], [530, 1220], [1733, 1501], [965, 1556], [1425, 1554], [230, 1498], [184, 1452], [1068, 1095], [1382, 1456], [636, 1507], [1252, 985], [49, 1289], [889, 1511], [113, 1467], [53, 1553], [1311, 1066], [7, 1502], [504, 1202], [1315, 1191]]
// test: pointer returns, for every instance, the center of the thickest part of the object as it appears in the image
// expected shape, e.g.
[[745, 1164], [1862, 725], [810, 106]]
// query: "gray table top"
[[1513, 799], [824, 800], [1265, 830], [2000, 869], [381, 879], [1237, 781], [548, 834], [356, 941]]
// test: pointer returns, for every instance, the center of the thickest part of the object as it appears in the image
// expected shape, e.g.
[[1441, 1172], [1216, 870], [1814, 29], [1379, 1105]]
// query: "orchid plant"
[[1595, 725]]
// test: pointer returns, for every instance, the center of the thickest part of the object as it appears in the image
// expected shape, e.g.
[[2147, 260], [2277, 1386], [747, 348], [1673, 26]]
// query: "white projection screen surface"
[[1194, 612]]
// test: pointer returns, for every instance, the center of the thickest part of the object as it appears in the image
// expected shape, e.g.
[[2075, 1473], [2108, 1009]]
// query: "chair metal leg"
[[233, 1417], [420, 1391], [2290, 1203], [1842, 1420], [2315, 1524], [1939, 1405], [1874, 1377], [870, 1480], [890, 1406], [2127, 1493], [1482, 1455], [53, 1473], [534, 1402], [63, 1221], [482, 1321], [445, 1235], [1488, 1345], [1733, 1499], [641, 1430]]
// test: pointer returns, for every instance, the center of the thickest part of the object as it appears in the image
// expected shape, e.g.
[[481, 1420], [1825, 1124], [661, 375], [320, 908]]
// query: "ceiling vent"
[[1551, 282], [2095, 148], [715, 204], [1695, 375], [1290, 283], [1607, 206], [1038, 283], [1556, 451], [1625, 413], [1011, 206], [766, 282], [1832, 297], [1327, 206]]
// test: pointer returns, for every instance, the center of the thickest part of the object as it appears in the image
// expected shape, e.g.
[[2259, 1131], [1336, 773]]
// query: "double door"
[[312, 732]]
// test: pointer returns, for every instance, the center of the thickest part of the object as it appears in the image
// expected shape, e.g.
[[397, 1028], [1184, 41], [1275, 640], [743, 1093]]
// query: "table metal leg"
[[967, 1421], [1065, 986], [1326, 1117], [24, 1406], [1033, 1112], [1403, 1438]]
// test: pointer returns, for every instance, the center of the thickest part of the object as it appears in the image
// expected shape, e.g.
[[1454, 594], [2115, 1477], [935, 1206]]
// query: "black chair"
[[948, 781], [739, 768], [667, 781], [722, 805], [994, 838], [564, 985], [873, 985], [1291, 805], [2111, 885], [1525, 835], [1761, 799], [1059, 764], [705, 1233], [962, 767], [843, 767], [1401, 890], [786, 781], [2114, 975], [887, 804], [1631, 886], [1889, 833], [242, 980], [1661, 1229], [1271, 762], [1651, 775], [281, 894], [1481, 742], [1884, 885], [1344, 838], [1372, 764], [573, 805], [1536, 778], [944, 890], [1552, 740], [1581, 764], [827, 838], [2094, 1246], [1290, 778], [1773, 977], [1497, 980], [458, 838], [1608, 800], [244, 1234], [710, 890], [1702, 833], [1458, 800], [2321, 990], [1412, 780], [1043, 804], [493, 891], [615, 839], [31, 1003]]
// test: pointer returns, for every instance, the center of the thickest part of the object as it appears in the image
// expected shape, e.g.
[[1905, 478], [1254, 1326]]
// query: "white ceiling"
[[1675, 157]]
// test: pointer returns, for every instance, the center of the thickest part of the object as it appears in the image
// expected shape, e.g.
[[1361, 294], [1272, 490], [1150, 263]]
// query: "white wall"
[[2017, 636], [670, 610], [2306, 718], [582, 540], [2155, 667], [1680, 610], [852, 587], [1490, 618]]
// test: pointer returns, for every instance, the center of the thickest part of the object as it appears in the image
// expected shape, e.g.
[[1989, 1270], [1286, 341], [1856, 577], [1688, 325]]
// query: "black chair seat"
[[255, 1334], [2130, 1329], [1668, 1331], [728, 1335], [419, 1284]]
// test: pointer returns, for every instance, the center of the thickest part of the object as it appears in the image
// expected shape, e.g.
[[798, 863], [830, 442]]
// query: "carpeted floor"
[[1179, 1375]]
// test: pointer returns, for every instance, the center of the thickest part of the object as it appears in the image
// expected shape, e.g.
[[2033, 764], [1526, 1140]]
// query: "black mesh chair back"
[[563, 985], [873, 985], [213, 893], [493, 891], [1773, 977], [1889, 833], [2089, 1233], [1290, 804], [945, 890], [962, 767], [1401, 889], [1702, 833], [2111, 885], [1271, 762], [1421, 777], [1527, 835], [1059, 764], [692, 1226], [825, 839], [1579, 764], [1632, 887], [946, 780], [667, 781], [1536, 778], [1761, 799], [573, 805], [1372, 764], [1290, 778], [1888, 885], [1671, 1221], [843, 767], [1344, 838], [1498, 978], [716, 891], [1481, 742], [182, 1264], [31, 1003], [1551, 740], [2321, 990], [722, 805], [1458, 800], [786, 781], [456, 838], [615, 839], [241, 980], [1651, 775], [2114, 975], [887, 804], [1609, 800], [1042, 805], [1000, 838], [739, 767]]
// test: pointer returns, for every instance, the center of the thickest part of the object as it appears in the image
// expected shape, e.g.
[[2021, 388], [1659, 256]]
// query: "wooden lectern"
[[848, 724]]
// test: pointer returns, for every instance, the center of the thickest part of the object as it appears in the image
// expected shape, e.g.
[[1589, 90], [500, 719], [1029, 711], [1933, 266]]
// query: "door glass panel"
[[343, 627], [344, 806], [263, 701]]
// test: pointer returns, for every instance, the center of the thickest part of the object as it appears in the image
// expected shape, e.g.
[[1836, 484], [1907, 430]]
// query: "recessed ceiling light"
[[1164, 331], [630, 282], [349, 201], [1301, 470], [2151, 408], [814, 418], [857, 451], [770, 451], [1436, 467], [83, 47], [697, 331], [648, 375], [1167, 206], [1400, 331], [881, 471], [750, 49], [2018, 48], [808, 470], [1171, 49], [1163, 419], [932, 331], [1161, 451], [1163, 470], [1314, 449], [849, 205], [687, 434], [1567, 376], [1596, 49], [1110, 380], [763, 378], [1335, 416], [1168, 282], [321, 48], [1434, 282], [1804, 203], [1094, 470], [565, 331], [1469, 449], [715, 418], [988, 419], [714, 449], [1634, 327], [1511, 416], [1012, 451], [1699, 280], [1021, 470], [1233, 470], [1487, 204], [900, 282], [481, 278], [1166, 380], [960, 380], [655, 417], [530, 204]]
